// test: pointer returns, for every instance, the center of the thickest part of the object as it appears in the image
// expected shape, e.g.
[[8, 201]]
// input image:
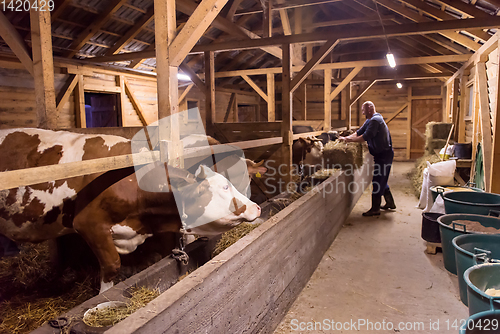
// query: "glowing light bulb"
[[399, 85], [391, 60], [183, 77]]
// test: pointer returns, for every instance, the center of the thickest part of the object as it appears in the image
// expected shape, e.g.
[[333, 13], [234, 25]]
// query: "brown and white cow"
[[110, 211]]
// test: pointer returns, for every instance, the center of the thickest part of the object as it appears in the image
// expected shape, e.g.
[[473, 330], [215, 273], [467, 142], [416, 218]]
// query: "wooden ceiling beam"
[[233, 9], [351, 64], [408, 13], [15, 42], [343, 34], [93, 27], [357, 20], [441, 15], [464, 8], [195, 27], [287, 5], [132, 32]]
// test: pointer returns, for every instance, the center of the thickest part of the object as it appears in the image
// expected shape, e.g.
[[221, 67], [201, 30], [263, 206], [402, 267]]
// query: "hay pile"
[[110, 316], [337, 154], [436, 134], [233, 235], [32, 293], [417, 173]]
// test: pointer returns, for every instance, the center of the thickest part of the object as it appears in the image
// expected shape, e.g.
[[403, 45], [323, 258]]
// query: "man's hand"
[[344, 139]]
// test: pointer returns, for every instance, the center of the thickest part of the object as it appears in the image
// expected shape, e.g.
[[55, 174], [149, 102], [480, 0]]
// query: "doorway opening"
[[102, 110]]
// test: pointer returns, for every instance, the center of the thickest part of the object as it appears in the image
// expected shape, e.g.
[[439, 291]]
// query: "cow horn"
[[201, 173], [258, 164]]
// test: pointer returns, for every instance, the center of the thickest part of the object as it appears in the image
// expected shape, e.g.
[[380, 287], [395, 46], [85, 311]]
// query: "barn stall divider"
[[250, 286]]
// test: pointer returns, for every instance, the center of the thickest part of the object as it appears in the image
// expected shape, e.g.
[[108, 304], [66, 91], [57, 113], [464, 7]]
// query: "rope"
[[180, 255]]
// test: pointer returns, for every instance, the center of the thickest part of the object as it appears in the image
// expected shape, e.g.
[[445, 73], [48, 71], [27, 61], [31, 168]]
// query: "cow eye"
[[226, 187]]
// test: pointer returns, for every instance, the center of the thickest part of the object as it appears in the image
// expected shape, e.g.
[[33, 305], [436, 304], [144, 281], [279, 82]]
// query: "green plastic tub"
[[479, 278], [481, 323], [471, 202], [449, 230], [472, 249], [436, 190]]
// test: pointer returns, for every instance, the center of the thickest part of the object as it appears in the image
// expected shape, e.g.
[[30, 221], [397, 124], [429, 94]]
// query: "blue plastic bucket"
[[472, 249], [479, 278]]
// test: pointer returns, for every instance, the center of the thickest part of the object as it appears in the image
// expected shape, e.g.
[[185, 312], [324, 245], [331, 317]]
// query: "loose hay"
[[338, 154], [110, 316], [26, 282], [233, 235]]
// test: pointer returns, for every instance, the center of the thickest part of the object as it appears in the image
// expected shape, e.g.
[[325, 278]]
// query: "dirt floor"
[[376, 277]]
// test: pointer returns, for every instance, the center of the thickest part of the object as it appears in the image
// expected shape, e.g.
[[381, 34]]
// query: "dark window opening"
[[102, 110], [192, 110]]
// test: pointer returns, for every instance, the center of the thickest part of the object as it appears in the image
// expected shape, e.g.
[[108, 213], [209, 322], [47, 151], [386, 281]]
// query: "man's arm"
[[352, 138]]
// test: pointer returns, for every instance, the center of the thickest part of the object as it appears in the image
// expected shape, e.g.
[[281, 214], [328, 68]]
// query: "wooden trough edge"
[[251, 285]]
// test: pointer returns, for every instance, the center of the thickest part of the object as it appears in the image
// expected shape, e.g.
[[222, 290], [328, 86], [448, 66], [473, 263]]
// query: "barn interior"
[[249, 73]]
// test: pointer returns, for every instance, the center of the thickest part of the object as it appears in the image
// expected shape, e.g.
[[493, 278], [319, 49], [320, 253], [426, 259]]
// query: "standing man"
[[376, 133]]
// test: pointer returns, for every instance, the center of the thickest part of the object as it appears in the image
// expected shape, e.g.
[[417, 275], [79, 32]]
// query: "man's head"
[[368, 109]]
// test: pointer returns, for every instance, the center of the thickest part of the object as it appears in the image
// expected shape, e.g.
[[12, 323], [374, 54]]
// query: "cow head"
[[212, 205], [308, 151]]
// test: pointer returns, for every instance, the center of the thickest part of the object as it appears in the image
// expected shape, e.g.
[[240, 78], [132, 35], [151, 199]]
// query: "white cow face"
[[214, 205]]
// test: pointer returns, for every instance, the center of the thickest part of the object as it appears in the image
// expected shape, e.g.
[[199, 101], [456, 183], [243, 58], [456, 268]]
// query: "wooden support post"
[[271, 98], [463, 110], [235, 109], [495, 159], [268, 19], [454, 101], [408, 128], [287, 111], [345, 105], [327, 99], [302, 92], [167, 84], [80, 118], [210, 92], [485, 122], [43, 69], [123, 97]]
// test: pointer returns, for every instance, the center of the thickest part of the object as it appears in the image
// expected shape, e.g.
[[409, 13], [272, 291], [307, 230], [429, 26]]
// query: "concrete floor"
[[376, 271]]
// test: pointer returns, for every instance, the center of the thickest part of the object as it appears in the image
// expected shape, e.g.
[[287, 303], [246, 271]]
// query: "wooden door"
[[104, 111], [422, 112]]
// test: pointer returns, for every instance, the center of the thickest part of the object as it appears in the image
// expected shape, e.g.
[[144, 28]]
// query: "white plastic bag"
[[425, 187], [438, 206], [440, 174], [450, 150]]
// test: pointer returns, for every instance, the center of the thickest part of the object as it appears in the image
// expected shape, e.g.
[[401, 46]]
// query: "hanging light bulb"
[[399, 85], [391, 60], [183, 77]]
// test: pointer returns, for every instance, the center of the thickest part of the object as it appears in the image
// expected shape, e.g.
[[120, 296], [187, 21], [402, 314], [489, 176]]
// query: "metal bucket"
[[479, 278], [479, 203], [472, 249], [449, 230], [430, 227]]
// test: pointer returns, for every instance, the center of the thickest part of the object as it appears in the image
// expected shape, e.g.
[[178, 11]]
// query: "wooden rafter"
[[194, 77], [362, 92], [94, 27], [255, 87], [395, 114], [345, 82], [311, 64], [132, 32], [287, 5], [15, 42], [454, 36], [233, 9], [195, 27], [441, 15]]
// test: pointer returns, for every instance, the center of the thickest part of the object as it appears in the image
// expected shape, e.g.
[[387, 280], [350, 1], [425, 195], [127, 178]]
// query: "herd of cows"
[[111, 211]]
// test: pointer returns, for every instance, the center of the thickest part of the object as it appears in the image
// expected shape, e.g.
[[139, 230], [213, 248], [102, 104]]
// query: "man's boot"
[[375, 210], [389, 201]]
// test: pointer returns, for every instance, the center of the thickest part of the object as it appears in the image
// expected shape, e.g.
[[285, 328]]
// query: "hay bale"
[[433, 144], [337, 154], [437, 130]]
